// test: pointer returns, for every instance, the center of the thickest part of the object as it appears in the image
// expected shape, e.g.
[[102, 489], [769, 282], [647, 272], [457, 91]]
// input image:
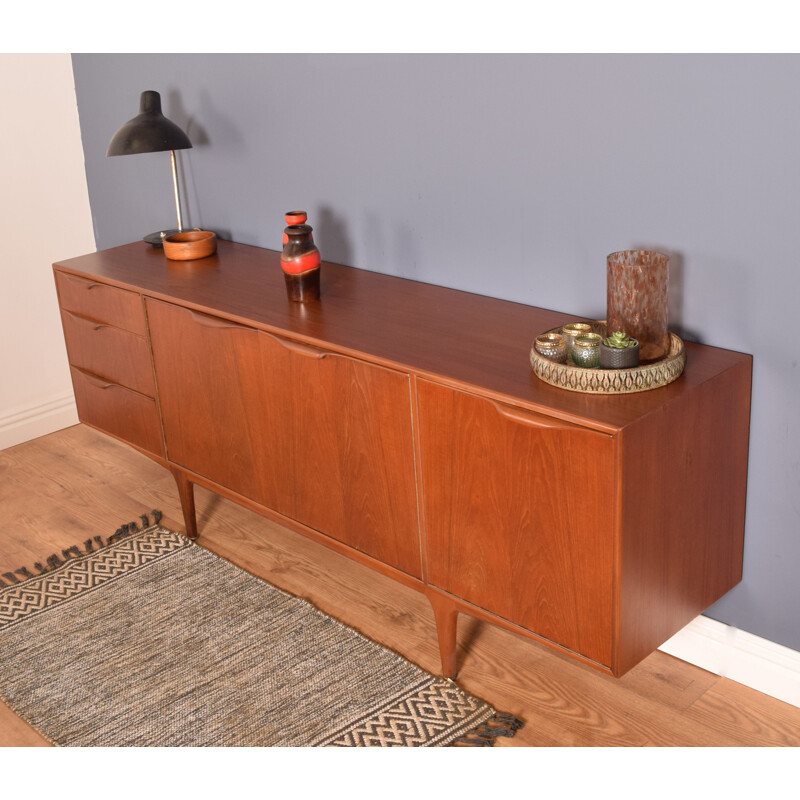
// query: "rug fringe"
[[487, 732], [89, 546]]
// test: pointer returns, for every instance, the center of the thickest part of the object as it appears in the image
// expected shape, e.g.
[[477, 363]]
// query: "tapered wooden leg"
[[186, 493], [446, 615]]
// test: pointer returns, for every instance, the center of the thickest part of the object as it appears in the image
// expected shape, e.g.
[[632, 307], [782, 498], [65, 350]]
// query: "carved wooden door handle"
[[215, 322], [300, 348], [535, 420]]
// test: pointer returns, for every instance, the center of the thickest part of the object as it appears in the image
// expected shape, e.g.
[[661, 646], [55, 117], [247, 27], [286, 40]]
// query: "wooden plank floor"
[[61, 489]]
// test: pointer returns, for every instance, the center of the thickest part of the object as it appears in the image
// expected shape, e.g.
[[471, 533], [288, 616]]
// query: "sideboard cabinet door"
[[349, 447], [214, 403], [520, 513], [321, 438]]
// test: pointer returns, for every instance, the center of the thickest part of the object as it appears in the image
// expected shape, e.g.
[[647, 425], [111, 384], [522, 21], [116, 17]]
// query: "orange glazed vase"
[[294, 218], [300, 261]]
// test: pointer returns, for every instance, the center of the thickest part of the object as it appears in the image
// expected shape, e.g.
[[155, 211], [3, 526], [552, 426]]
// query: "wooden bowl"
[[188, 245]]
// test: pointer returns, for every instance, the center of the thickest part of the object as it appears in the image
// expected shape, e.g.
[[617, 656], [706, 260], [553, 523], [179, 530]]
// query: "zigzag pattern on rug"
[[177, 637], [89, 546]]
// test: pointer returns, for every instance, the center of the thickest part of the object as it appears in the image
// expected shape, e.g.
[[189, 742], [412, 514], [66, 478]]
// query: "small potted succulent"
[[619, 351]]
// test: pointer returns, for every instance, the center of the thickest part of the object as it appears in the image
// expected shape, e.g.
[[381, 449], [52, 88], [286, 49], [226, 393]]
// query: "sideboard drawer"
[[119, 355], [117, 410], [101, 302]]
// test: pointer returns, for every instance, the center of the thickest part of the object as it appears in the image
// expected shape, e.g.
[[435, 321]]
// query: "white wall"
[[44, 217]]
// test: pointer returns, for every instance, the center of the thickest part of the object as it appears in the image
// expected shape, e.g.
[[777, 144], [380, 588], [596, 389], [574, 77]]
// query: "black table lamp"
[[151, 132]]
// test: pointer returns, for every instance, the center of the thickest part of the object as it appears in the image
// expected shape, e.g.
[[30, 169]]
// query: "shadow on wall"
[[330, 234], [198, 136], [675, 292], [180, 116], [174, 111]]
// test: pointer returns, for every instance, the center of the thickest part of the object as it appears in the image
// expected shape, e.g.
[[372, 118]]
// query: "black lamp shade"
[[148, 132]]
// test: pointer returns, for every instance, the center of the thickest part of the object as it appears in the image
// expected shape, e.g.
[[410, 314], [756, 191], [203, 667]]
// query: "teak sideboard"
[[400, 424]]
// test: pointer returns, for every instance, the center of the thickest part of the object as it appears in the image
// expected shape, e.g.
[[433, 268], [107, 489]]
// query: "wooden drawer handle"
[[299, 347], [532, 419], [97, 382], [96, 326], [85, 282], [215, 322]]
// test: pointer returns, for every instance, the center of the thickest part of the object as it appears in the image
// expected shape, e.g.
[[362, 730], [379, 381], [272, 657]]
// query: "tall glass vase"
[[637, 300]]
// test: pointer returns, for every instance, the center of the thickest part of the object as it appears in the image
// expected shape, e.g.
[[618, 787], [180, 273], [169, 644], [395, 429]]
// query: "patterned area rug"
[[151, 640]]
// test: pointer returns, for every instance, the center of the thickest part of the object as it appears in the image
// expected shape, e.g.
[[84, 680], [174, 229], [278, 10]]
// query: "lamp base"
[[155, 238]]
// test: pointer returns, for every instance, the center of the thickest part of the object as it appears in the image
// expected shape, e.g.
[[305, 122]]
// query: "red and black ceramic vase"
[[294, 218], [300, 261]]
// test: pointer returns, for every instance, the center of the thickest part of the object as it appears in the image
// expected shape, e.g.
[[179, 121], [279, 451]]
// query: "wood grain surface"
[[115, 409], [400, 423], [519, 512], [101, 303], [464, 338], [110, 352], [321, 438]]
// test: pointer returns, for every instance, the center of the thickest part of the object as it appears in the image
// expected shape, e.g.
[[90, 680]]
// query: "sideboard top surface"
[[468, 339]]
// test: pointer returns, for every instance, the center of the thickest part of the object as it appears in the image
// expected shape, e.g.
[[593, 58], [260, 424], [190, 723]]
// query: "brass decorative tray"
[[611, 381]]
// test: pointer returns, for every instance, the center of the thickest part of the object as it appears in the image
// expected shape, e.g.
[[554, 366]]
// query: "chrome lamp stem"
[[174, 162]]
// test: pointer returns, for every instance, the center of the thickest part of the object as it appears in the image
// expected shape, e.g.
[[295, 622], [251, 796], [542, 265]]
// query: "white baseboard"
[[747, 659], [30, 423]]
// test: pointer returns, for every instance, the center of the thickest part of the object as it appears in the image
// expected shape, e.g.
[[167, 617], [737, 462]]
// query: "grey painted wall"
[[512, 176]]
